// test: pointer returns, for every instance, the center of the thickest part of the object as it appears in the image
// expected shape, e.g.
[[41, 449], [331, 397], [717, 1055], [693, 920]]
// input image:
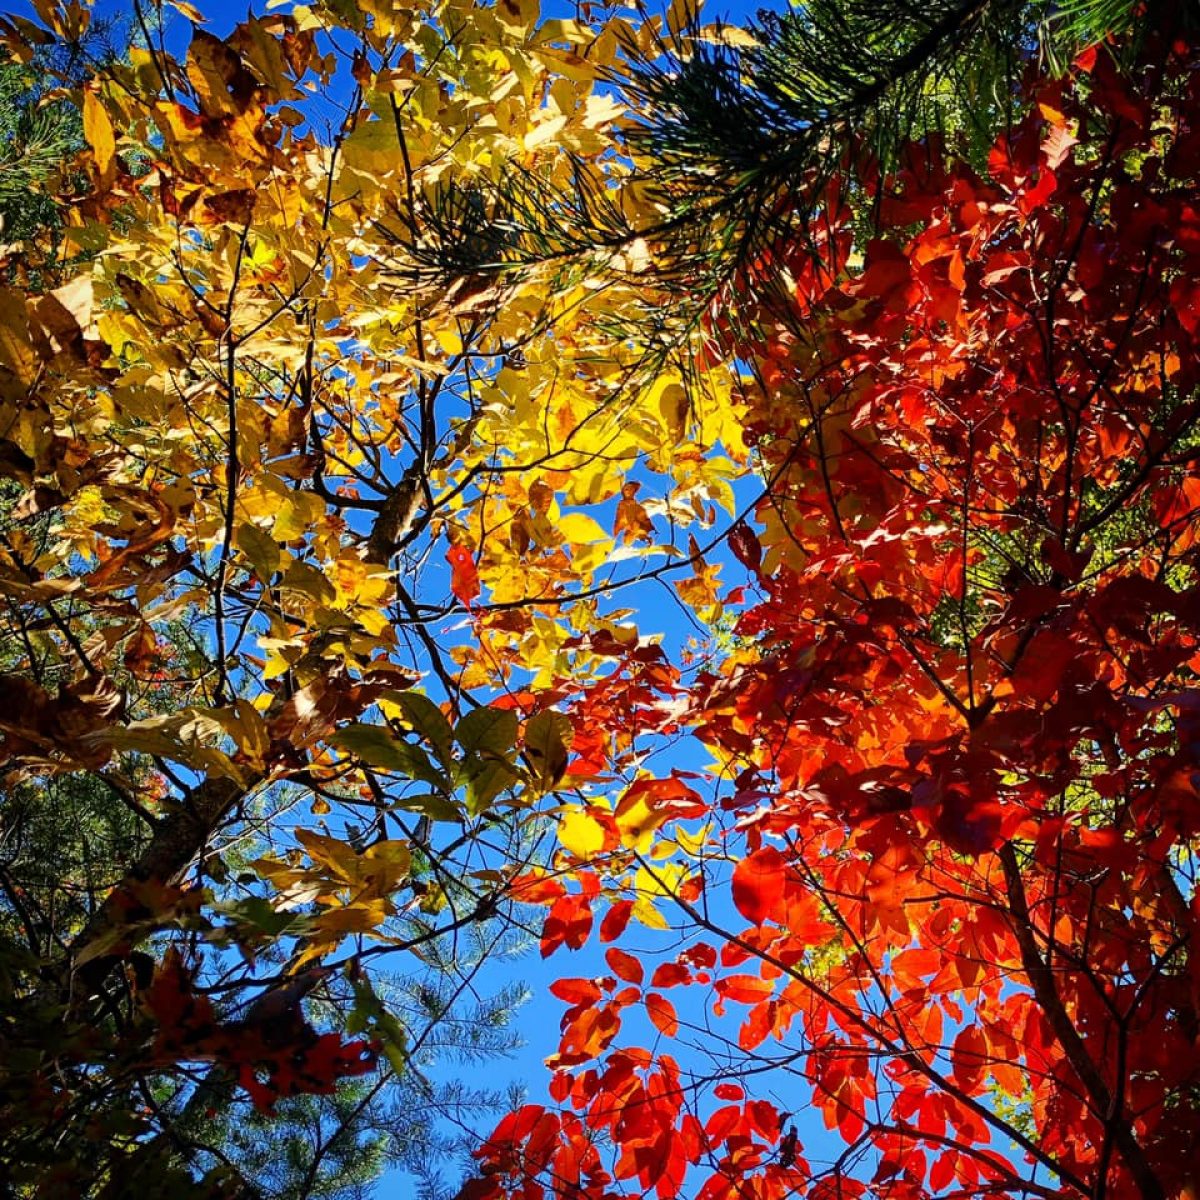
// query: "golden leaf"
[[98, 131]]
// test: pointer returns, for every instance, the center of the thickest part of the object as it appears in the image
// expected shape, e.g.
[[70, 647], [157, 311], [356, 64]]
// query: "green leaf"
[[430, 722], [547, 737], [488, 731], [488, 736], [486, 779], [431, 805], [378, 747], [304, 578], [257, 913], [260, 548], [370, 1015]]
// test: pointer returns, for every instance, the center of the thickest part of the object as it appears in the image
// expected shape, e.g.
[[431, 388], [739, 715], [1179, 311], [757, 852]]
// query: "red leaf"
[[568, 922], [888, 275], [1176, 503], [1185, 299], [745, 546], [758, 884], [1040, 670], [464, 579], [669, 975], [576, 991], [764, 1117], [970, 1057], [662, 1013], [941, 1174], [616, 920], [624, 966]]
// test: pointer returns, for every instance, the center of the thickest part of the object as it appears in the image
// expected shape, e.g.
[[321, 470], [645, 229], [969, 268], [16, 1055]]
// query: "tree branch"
[[1041, 979]]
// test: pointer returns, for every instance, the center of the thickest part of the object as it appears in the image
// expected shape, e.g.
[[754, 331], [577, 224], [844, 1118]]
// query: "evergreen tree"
[[41, 129], [742, 132], [35, 140]]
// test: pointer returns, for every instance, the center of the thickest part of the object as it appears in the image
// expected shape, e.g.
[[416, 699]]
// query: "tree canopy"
[[386, 364]]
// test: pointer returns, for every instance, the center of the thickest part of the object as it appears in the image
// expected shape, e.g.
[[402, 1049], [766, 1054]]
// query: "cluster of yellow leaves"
[[307, 351], [353, 890]]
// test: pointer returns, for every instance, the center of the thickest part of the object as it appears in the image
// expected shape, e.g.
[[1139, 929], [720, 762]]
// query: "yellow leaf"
[[264, 54], [637, 823], [222, 84], [517, 16], [192, 13], [579, 529], [337, 855], [98, 130], [77, 299], [728, 35], [680, 14], [252, 735], [563, 29], [386, 865], [700, 591], [662, 881], [545, 132], [644, 913], [364, 916], [16, 353], [580, 833], [692, 843], [296, 515]]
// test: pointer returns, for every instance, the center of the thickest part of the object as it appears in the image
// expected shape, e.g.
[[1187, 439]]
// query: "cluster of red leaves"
[[633, 698], [967, 806], [274, 1052]]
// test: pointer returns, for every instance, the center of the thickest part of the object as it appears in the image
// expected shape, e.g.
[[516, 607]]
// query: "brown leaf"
[[224, 87]]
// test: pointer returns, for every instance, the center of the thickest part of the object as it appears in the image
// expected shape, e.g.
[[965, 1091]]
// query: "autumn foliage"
[[335, 464], [947, 895], [315, 448]]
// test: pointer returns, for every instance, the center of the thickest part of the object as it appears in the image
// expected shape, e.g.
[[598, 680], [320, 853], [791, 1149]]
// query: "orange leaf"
[[745, 989]]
